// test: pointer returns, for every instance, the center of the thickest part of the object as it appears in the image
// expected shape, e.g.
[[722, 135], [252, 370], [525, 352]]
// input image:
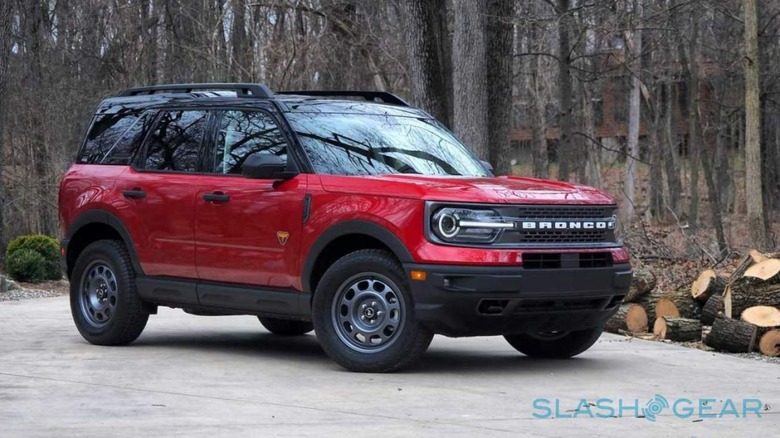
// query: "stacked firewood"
[[738, 311]]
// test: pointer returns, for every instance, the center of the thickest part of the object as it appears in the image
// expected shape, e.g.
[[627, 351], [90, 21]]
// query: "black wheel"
[[364, 316], [286, 327], [555, 345], [103, 298]]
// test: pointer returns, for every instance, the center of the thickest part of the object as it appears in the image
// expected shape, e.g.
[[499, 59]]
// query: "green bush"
[[33, 257]]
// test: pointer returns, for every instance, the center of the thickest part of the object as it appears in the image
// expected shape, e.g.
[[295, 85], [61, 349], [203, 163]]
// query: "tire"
[[286, 327], [104, 301], [363, 284], [552, 346]]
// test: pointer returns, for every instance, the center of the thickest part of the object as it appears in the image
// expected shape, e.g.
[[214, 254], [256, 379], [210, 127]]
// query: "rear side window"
[[114, 138], [175, 144]]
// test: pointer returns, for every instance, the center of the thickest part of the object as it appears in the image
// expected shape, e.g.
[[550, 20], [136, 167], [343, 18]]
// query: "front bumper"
[[486, 301]]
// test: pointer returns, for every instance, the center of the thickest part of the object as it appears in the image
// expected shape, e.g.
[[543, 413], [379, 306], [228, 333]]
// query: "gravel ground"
[[44, 289]]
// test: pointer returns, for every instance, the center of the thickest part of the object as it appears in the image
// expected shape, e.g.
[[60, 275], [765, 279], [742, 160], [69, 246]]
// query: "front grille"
[[573, 217], [564, 211], [564, 236]]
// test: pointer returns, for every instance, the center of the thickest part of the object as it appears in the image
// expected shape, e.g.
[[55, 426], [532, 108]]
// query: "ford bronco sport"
[[348, 213]]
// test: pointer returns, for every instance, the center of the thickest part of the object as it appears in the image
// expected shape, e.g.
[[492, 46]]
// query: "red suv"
[[348, 213]]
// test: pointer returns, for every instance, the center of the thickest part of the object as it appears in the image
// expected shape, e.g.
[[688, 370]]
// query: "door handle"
[[216, 197], [134, 193]]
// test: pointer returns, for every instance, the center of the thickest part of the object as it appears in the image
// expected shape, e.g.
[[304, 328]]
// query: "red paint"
[[178, 234]]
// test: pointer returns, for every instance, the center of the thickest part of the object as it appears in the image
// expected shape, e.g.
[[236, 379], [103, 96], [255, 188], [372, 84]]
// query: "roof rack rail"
[[242, 90], [384, 96]]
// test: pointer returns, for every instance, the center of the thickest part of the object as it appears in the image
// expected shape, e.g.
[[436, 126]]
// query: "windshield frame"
[[420, 116]]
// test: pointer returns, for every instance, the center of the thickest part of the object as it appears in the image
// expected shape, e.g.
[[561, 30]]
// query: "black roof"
[[243, 94]]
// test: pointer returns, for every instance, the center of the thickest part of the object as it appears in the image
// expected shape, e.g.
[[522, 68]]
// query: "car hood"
[[507, 190]]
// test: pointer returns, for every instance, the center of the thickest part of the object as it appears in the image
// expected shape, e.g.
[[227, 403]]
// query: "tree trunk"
[[754, 198], [629, 317], [677, 329], [424, 48], [500, 37], [634, 108], [711, 309], [470, 76], [731, 335], [694, 123], [5, 50], [565, 144], [671, 165]]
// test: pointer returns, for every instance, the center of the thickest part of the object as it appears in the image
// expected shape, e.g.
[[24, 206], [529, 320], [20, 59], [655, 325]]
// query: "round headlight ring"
[[448, 225]]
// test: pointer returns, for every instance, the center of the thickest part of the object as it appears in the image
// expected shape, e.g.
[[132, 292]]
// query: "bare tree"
[[634, 109], [753, 184], [421, 23], [499, 83], [469, 51], [565, 89]]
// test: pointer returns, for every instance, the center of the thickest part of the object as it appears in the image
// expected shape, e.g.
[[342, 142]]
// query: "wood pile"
[[735, 311]]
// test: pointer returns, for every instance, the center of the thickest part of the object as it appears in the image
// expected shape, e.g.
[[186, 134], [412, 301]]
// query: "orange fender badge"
[[282, 236]]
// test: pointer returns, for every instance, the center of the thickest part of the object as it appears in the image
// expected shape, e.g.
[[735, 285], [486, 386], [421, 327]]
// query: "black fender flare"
[[341, 229], [107, 218]]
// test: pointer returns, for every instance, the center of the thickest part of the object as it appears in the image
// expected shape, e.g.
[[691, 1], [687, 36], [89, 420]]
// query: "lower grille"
[[551, 260]]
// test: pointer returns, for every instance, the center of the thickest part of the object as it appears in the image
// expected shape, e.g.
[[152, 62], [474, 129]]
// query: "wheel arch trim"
[[345, 228]]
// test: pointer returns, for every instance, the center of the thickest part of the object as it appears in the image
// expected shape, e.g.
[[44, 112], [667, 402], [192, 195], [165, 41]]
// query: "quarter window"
[[114, 138], [175, 144], [243, 133]]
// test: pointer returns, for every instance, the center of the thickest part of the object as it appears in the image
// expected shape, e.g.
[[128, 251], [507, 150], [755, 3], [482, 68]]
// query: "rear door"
[[160, 193], [248, 231]]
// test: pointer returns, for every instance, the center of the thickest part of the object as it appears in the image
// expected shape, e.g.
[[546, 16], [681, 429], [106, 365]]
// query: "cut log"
[[686, 306], [770, 343], [708, 284], [765, 270], [762, 316], [741, 268], [759, 257], [648, 301], [630, 318], [731, 335], [751, 291], [666, 307], [711, 308], [677, 329], [642, 282]]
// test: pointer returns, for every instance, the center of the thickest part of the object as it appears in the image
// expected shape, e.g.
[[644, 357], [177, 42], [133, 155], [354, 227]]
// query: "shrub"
[[33, 257]]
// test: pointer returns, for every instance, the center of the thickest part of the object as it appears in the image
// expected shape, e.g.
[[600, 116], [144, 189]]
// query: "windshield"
[[361, 144]]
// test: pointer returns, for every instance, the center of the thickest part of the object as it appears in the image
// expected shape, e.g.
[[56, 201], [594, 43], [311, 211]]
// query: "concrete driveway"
[[226, 376]]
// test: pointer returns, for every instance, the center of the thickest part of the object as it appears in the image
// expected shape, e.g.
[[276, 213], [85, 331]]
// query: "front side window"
[[361, 144], [114, 138], [175, 144], [243, 133]]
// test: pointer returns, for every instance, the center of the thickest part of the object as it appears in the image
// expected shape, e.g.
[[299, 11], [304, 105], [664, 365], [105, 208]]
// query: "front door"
[[247, 230]]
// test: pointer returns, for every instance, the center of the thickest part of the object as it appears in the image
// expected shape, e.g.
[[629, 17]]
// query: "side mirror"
[[265, 166], [487, 166]]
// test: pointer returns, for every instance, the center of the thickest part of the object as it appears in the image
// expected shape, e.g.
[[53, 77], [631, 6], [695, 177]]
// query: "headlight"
[[465, 225]]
